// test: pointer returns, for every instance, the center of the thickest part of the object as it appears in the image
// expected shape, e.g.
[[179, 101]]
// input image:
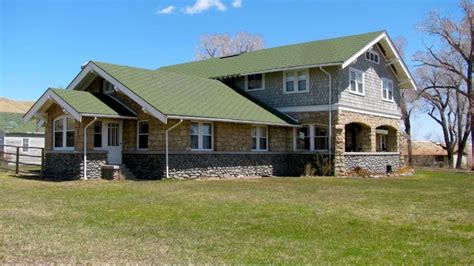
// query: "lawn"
[[427, 218]]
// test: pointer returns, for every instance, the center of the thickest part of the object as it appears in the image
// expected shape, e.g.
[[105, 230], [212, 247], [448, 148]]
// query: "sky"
[[43, 43]]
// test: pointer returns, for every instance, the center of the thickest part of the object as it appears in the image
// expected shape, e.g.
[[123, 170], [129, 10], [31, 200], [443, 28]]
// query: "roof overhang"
[[214, 119], [405, 79], [91, 70], [50, 97]]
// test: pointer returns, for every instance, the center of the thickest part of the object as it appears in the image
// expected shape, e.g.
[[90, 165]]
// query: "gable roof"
[[178, 95], [13, 123], [324, 52]]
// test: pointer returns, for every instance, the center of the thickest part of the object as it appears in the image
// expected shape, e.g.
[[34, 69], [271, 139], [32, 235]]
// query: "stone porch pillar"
[[339, 147], [373, 140]]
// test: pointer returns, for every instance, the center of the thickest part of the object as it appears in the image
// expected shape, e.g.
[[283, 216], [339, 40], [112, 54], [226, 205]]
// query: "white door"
[[113, 141]]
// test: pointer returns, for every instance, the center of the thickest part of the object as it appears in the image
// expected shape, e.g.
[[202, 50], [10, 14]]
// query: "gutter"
[[166, 144], [329, 113], [85, 147]]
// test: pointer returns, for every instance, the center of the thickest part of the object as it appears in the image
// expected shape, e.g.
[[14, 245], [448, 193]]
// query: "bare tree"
[[218, 45], [453, 54]]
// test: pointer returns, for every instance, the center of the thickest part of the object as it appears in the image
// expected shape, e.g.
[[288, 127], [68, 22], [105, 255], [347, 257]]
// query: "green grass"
[[427, 218]]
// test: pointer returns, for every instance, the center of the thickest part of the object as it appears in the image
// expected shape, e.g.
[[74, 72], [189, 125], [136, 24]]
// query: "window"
[[255, 82], [387, 90], [98, 134], [296, 81], [143, 130], [372, 56], [63, 133], [303, 138], [356, 81], [320, 137], [201, 136], [108, 87], [312, 138], [259, 138], [26, 144]]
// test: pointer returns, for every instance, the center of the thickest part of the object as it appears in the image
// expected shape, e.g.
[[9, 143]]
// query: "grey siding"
[[373, 74], [274, 96], [318, 93]]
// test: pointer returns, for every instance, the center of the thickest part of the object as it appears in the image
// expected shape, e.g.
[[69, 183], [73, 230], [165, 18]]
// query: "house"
[[261, 113], [431, 154], [14, 132]]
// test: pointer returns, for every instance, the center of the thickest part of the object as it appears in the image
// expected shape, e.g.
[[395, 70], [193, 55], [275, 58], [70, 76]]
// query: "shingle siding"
[[373, 74]]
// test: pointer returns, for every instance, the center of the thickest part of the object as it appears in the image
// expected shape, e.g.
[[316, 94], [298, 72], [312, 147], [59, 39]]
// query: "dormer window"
[[255, 82], [108, 87], [372, 56]]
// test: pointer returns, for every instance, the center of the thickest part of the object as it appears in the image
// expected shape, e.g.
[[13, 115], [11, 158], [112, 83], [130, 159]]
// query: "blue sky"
[[44, 43]]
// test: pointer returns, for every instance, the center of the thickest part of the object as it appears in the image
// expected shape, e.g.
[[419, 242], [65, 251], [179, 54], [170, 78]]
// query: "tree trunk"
[[409, 143]]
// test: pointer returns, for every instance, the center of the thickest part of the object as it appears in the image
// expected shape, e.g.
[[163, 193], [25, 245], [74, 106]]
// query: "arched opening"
[[357, 138], [386, 139]]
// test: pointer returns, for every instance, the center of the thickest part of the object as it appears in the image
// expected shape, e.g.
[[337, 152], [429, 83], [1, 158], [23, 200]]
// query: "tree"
[[218, 45], [454, 55], [408, 102]]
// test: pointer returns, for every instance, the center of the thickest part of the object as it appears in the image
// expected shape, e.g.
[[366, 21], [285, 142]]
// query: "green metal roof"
[[178, 94], [89, 103], [13, 123], [329, 51]]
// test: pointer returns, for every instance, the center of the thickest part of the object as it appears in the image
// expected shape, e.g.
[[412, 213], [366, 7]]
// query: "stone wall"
[[193, 165], [375, 163], [69, 165]]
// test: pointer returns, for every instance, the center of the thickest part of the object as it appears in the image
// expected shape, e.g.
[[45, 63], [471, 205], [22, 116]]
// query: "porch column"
[[373, 140], [339, 147]]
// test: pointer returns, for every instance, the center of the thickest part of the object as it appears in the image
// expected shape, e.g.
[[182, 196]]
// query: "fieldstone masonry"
[[69, 165]]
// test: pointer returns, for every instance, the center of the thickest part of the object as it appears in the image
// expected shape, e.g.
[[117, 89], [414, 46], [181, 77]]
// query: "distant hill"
[[12, 106]]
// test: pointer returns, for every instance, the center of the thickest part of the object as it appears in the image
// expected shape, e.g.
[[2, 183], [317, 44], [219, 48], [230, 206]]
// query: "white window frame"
[[391, 82], [200, 136], [247, 82], [138, 134], [64, 131], [372, 52], [363, 81], [295, 81], [312, 131], [258, 137], [25, 148]]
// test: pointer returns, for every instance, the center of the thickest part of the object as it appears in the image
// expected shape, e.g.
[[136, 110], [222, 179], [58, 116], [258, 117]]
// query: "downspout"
[[166, 144], [85, 147], [330, 113]]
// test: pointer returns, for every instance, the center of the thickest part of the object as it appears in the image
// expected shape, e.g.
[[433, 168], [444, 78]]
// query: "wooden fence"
[[29, 160]]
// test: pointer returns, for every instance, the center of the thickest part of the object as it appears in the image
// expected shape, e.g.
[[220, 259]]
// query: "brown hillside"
[[12, 106]]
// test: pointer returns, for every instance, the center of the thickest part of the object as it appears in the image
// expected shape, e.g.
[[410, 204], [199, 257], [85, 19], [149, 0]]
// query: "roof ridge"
[[275, 47], [119, 65]]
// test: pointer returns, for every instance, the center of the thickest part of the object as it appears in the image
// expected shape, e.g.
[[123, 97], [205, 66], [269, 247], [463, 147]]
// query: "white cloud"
[[237, 3], [203, 5], [166, 10]]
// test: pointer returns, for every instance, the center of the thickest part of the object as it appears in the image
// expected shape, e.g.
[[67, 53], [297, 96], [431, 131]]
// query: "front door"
[[113, 141]]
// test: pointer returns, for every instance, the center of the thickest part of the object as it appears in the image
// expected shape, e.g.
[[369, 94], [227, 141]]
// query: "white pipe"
[[330, 113], [166, 144], [85, 147]]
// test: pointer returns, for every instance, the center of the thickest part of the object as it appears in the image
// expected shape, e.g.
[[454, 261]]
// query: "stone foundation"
[[153, 166], [111, 172], [374, 163], [69, 165]]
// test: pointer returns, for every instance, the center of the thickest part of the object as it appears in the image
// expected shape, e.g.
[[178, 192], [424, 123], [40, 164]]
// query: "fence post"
[[17, 166], [42, 161]]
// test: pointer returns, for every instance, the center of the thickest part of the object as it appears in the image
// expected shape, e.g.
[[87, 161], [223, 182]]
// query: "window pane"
[[97, 140], [262, 131], [302, 142], [258, 81], [353, 86], [320, 131], [376, 58], [58, 139], [254, 131], [143, 141], [367, 55], [290, 86], [263, 143], [206, 142], [194, 142], [359, 77], [58, 125], [98, 127], [360, 87], [70, 124], [143, 127], [70, 139], [289, 76], [206, 129], [254, 143], [320, 143], [302, 85], [194, 128], [384, 93]]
